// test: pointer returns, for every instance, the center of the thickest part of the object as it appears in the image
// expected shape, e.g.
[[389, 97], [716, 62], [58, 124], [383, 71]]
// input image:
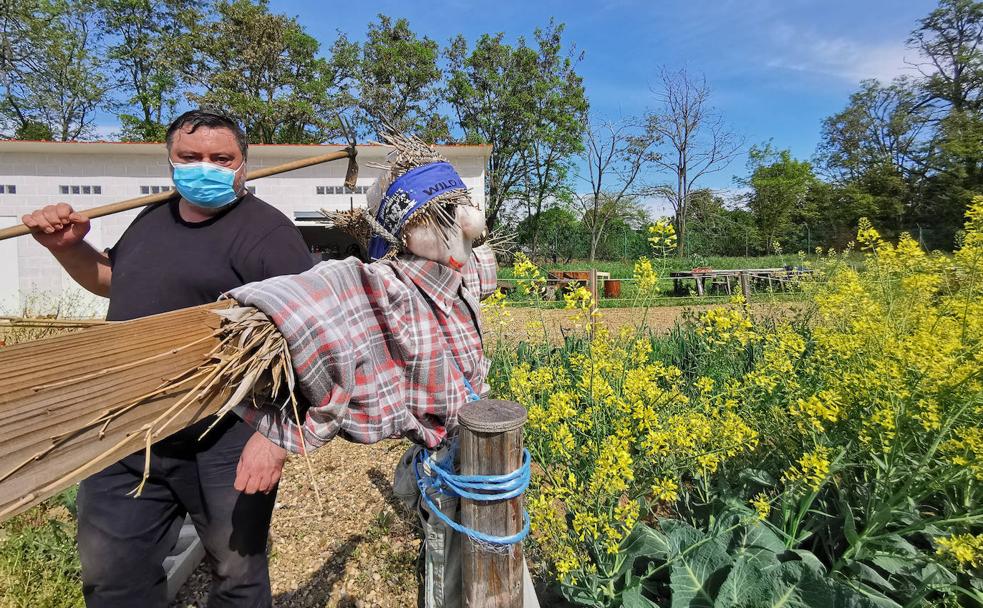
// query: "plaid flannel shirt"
[[378, 350]]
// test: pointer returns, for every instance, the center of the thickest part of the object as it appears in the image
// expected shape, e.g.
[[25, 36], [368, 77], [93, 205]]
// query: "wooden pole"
[[745, 286], [491, 444], [153, 199], [593, 298]]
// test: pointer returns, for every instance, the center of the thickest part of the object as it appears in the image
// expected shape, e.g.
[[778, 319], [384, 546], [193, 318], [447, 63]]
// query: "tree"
[[561, 235], [559, 111], [529, 104], [716, 229], [396, 80], [263, 69], [780, 185], [882, 126], [49, 68], [142, 55], [693, 138], [615, 155], [950, 39]]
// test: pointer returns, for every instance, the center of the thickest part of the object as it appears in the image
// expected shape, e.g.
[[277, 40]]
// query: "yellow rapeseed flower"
[[761, 505], [812, 469], [966, 549], [665, 489]]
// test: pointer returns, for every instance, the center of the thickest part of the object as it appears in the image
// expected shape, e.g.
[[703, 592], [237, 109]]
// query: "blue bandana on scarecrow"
[[407, 195]]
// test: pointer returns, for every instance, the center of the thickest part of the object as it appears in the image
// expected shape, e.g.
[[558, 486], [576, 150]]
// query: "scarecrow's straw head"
[[421, 205]]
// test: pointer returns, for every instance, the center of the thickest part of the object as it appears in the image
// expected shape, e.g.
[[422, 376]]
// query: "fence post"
[[491, 444], [594, 302], [745, 286]]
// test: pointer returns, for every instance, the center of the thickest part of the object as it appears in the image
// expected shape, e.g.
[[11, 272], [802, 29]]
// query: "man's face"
[[216, 146]]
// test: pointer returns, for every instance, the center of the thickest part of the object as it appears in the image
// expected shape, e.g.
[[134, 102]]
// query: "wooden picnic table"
[[557, 280], [726, 279]]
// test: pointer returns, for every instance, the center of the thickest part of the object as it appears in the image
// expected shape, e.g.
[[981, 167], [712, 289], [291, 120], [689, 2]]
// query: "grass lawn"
[[623, 269], [39, 563]]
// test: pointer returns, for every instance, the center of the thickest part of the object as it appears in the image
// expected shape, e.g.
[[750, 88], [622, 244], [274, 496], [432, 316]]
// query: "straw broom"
[[75, 403]]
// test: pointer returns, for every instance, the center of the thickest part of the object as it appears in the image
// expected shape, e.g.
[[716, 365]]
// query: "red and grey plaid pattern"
[[378, 349]]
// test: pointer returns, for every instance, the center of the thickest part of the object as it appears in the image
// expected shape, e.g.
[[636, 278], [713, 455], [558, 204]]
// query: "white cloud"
[[102, 132], [842, 58]]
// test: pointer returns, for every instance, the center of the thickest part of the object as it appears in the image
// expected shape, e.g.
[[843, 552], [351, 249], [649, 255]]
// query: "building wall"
[[38, 171]]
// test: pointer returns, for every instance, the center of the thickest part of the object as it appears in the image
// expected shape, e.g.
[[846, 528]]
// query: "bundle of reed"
[[75, 403], [44, 322]]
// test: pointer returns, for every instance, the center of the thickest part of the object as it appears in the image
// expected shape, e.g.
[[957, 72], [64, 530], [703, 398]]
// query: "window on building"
[[155, 189], [90, 189], [341, 190]]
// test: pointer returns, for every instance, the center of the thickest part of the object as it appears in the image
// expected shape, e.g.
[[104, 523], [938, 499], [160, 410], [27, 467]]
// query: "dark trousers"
[[123, 540]]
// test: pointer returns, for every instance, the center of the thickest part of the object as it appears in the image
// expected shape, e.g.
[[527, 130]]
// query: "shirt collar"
[[439, 282]]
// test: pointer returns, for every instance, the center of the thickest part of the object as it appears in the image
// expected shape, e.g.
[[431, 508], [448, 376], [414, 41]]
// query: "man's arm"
[[281, 251], [62, 231]]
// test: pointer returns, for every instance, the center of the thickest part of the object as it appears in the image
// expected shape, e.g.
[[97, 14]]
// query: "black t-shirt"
[[163, 263]]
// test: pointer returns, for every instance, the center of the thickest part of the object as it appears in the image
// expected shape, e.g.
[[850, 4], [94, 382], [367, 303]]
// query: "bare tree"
[[615, 155], [694, 140]]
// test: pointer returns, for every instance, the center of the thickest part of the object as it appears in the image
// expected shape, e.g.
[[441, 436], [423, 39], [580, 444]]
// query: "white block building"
[[88, 174]]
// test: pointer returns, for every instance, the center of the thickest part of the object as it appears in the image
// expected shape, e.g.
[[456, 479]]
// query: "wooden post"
[[592, 285], [491, 444], [745, 286], [594, 303]]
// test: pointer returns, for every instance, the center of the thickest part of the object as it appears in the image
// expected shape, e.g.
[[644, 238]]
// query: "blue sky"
[[776, 67]]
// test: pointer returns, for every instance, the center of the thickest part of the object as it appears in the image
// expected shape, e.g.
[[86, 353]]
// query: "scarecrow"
[[390, 348]]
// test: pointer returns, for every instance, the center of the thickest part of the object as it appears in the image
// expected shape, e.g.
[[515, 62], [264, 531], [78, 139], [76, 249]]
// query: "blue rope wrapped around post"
[[433, 476]]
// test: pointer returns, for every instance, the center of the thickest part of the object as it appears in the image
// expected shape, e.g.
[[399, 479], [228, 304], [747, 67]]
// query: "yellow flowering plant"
[[847, 434]]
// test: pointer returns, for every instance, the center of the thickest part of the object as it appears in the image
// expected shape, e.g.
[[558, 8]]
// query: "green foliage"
[[39, 563], [33, 130], [740, 562], [51, 80], [909, 153], [780, 186], [831, 457], [717, 230], [560, 236], [144, 34], [396, 80], [262, 68], [529, 104]]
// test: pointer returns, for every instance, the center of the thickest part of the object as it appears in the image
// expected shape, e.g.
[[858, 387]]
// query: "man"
[[174, 255]]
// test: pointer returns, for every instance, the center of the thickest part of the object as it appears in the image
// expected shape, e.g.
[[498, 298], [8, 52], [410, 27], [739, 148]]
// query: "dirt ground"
[[361, 549]]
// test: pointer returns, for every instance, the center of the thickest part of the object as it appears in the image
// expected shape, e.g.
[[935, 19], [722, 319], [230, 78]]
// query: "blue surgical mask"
[[204, 184]]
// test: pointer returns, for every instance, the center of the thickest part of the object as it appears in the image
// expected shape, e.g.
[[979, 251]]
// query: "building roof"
[[255, 150]]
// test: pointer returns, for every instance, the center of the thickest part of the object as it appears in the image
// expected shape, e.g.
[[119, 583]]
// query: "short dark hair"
[[211, 119]]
